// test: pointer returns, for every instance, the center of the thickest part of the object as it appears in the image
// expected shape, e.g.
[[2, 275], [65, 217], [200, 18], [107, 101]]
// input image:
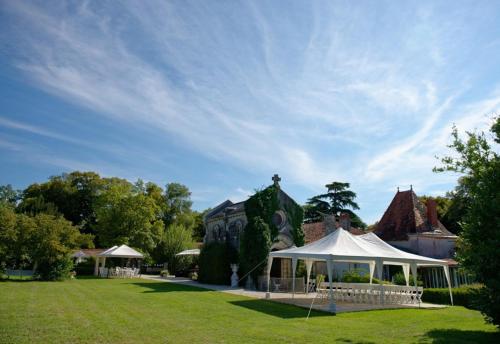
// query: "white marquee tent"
[[122, 251], [342, 246], [192, 252]]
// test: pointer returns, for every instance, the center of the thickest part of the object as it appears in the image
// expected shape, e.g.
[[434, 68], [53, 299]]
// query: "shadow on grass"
[[162, 287], [461, 336], [276, 309], [346, 340], [17, 280]]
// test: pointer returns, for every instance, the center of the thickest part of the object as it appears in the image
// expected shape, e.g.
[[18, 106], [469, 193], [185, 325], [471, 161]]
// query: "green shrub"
[[214, 263], [399, 279], [56, 270], [85, 268], [464, 296], [164, 273], [353, 276]]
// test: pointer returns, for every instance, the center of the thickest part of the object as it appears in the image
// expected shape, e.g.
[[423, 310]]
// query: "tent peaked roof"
[[341, 245], [373, 241], [338, 243], [122, 251]]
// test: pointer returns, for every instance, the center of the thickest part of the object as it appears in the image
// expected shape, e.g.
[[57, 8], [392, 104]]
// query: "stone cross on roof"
[[276, 179]]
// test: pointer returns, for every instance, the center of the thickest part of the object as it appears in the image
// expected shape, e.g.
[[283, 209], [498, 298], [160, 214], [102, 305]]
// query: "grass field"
[[140, 311]]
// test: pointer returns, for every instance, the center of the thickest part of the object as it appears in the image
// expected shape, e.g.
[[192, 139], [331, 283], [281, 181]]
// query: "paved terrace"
[[300, 300]]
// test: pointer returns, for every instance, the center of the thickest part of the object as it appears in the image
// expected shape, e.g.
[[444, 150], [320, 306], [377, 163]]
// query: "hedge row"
[[463, 296], [214, 263]]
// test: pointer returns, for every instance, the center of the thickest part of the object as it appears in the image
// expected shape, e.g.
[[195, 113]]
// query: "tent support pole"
[[96, 267], [379, 266], [329, 267], [413, 267], [447, 275], [269, 265], [294, 268], [406, 272], [372, 270], [309, 264]]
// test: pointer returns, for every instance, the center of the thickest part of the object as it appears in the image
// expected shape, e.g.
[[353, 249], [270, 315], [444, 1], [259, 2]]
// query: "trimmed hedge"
[[214, 263], [463, 296], [85, 268], [354, 276]]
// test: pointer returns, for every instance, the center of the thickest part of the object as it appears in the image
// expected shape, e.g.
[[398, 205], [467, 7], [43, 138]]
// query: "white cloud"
[[314, 93]]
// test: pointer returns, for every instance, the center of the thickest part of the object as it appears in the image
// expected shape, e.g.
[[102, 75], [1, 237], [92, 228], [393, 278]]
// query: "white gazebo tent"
[[122, 251], [192, 252], [342, 246]]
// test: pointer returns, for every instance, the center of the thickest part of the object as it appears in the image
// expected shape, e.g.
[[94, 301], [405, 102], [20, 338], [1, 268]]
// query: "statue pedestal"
[[234, 276], [249, 285]]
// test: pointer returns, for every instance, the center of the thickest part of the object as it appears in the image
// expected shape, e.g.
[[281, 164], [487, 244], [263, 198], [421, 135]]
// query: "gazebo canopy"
[[193, 252], [342, 246], [122, 251]]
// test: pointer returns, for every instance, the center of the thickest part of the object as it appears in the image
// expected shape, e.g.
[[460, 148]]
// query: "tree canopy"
[[478, 160], [109, 211], [337, 199]]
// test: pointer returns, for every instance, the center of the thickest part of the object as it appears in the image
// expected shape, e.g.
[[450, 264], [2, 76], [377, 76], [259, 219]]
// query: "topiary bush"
[[466, 296], [214, 263], [85, 268]]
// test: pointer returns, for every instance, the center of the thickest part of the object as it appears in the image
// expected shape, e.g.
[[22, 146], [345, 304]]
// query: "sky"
[[221, 95]]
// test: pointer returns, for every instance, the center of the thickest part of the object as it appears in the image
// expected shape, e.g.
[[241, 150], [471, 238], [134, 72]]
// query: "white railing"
[[371, 293], [124, 272], [282, 284]]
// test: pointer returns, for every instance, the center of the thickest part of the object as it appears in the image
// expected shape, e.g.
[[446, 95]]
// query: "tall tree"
[[175, 239], [478, 245], [254, 247], [73, 195], [199, 225], [450, 208], [337, 199], [177, 207], [9, 195], [130, 219]]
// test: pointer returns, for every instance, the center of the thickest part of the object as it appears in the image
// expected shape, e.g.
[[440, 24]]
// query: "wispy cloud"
[[314, 91]]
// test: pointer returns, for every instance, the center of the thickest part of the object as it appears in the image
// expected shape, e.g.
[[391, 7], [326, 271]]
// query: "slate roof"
[[234, 208], [406, 215], [231, 207], [313, 231], [317, 230]]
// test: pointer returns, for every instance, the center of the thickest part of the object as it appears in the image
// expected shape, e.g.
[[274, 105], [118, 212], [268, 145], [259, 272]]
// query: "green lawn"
[[139, 311]]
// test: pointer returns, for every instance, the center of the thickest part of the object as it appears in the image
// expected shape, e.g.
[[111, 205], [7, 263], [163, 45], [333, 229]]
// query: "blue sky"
[[220, 95]]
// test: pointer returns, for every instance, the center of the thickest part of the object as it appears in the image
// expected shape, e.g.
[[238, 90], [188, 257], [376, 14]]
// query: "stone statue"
[[234, 276]]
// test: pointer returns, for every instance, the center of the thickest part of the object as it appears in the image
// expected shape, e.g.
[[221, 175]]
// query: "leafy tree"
[[337, 199], [73, 195], [53, 241], [450, 208], [130, 219], [177, 207], [8, 195], [199, 225], [176, 238], [8, 236], [214, 262], [254, 247], [43, 242], [479, 241]]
